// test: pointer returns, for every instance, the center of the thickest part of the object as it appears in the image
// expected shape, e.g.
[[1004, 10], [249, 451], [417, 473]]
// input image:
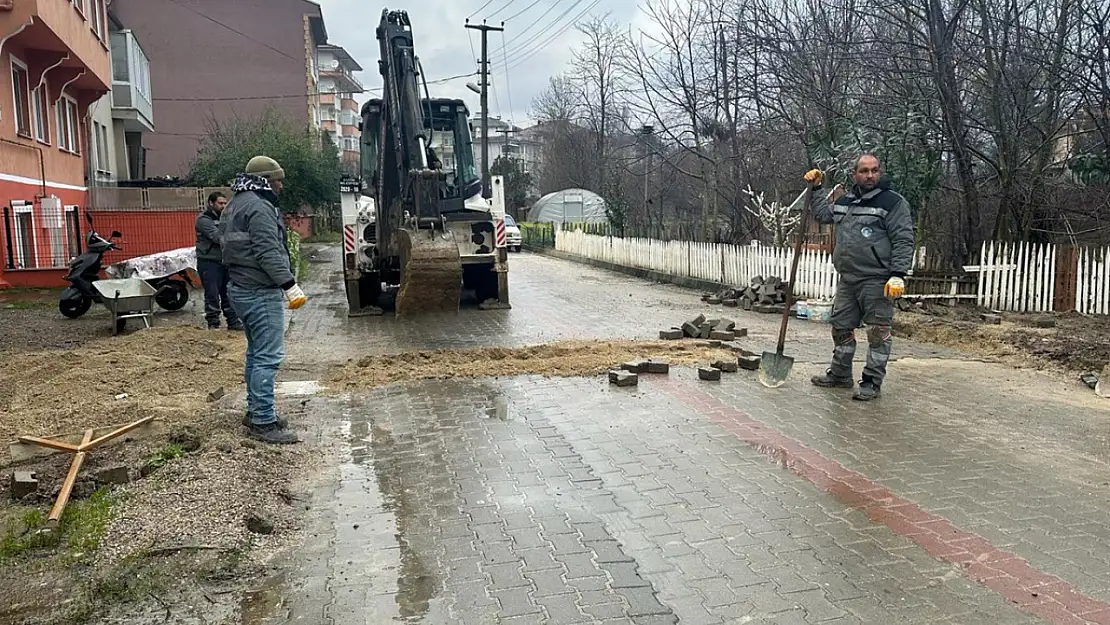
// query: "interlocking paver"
[[564, 502]]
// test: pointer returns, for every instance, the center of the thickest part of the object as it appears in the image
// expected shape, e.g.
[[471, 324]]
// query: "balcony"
[[64, 36], [131, 100], [343, 80]]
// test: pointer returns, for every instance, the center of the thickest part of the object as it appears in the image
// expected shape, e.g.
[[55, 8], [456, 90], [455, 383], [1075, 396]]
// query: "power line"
[[490, 16], [523, 48], [300, 95], [520, 35], [519, 59], [521, 12], [480, 9], [237, 32]]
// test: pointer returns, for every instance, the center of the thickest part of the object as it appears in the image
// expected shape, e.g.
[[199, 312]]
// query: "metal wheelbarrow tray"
[[127, 298]]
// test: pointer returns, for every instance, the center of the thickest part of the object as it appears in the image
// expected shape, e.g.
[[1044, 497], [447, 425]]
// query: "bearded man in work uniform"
[[874, 251]]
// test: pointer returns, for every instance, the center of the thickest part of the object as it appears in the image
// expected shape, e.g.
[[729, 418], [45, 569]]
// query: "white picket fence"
[[1018, 277], [1092, 296], [1015, 277], [714, 262]]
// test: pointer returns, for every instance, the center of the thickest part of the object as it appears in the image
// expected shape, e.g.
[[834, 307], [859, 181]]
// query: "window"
[[68, 125], [100, 142], [97, 18], [73, 231], [40, 113], [24, 235], [81, 7], [21, 94]]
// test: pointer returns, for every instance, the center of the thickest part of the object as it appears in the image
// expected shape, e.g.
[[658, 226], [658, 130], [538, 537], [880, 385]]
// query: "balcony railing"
[[131, 99]]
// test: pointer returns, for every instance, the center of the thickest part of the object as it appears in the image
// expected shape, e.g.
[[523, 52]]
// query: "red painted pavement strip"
[[1033, 590]]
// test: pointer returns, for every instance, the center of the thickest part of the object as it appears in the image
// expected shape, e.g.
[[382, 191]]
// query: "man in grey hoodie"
[[210, 265], [262, 281]]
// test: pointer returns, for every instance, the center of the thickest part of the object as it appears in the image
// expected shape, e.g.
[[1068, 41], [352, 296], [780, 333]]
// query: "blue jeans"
[[262, 312]]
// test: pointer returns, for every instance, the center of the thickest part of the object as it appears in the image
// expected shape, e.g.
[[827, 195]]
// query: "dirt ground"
[[167, 372], [31, 321], [561, 359], [195, 480], [1068, 343]]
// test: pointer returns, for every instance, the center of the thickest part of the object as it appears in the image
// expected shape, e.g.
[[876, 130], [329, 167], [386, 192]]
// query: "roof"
[[342, 55]]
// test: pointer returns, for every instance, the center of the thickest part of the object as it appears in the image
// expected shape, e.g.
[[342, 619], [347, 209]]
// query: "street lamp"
[[473, 87]]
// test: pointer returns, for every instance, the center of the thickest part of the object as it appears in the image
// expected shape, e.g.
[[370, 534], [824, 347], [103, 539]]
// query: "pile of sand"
[[558, 359], [167, 372]]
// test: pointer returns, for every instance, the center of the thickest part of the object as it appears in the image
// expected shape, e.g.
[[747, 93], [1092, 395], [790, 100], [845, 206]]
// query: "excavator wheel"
[[431, 272]]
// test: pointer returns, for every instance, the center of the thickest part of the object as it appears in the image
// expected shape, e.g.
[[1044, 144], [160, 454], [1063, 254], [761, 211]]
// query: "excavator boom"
[[431, 232]]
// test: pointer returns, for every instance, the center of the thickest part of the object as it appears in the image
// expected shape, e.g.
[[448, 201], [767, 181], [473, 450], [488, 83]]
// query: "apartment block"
[[56, 56], [121, 118], [339, 113]]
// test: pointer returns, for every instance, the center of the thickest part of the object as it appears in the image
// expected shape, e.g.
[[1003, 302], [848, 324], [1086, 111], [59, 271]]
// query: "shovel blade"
[[774, 368]]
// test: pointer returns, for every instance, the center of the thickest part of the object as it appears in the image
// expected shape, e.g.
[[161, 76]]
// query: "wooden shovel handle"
[[794, 268]]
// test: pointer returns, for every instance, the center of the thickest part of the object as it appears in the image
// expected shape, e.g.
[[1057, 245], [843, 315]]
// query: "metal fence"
[[38, 237]]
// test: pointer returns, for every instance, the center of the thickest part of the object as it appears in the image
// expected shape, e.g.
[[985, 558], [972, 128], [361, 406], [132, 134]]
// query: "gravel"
[[212, 499]]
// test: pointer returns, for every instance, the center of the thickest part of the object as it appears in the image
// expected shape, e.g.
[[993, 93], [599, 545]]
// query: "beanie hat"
[[265, 167]]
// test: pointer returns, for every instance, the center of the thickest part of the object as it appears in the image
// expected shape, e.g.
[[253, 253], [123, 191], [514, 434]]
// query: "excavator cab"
[[450, 149]]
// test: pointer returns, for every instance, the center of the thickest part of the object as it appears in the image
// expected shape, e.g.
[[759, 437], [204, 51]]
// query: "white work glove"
[[894, 288], [295, 296]]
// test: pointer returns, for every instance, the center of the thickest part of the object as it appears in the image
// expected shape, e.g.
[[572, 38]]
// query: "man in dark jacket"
[[874, 251], [262, 281], [210, 265]]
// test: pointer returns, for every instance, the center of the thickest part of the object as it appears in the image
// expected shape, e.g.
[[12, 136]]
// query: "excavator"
[[419, 222]]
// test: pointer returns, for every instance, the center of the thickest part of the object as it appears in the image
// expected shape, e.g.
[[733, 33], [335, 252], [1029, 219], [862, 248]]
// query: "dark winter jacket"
[[253, 236], [874, 232], [208, 236]]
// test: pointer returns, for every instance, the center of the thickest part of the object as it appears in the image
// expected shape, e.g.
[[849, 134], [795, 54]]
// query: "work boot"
[[247, 421], [867, 390], [273, 434], [828, 380], [214, 326], [235, 327]]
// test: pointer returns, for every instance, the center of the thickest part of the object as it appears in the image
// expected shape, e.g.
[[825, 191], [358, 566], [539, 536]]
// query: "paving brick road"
[[971, 493]]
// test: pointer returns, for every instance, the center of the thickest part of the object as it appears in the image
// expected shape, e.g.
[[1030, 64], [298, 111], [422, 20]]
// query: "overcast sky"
[[539, 38]]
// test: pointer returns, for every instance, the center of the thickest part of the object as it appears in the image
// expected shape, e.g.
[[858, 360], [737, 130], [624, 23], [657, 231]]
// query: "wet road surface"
[[971, 493]]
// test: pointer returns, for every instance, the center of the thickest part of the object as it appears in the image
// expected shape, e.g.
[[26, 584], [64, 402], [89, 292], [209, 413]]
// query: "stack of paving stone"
[[701, 328], [764, 295]]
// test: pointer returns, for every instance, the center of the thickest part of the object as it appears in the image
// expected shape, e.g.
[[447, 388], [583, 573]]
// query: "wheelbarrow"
[[127, 298]]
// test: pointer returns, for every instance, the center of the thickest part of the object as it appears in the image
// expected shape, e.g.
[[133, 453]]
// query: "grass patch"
[[24, 305], [169, 453], [324, 237], [81, 528]]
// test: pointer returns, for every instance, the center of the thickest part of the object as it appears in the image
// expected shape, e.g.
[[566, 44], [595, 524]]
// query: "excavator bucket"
[[431, 272]]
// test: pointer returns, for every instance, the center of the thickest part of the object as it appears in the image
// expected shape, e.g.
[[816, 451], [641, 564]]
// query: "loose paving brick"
[[23, 483], [727, 366], [711, 374], [623, 378]]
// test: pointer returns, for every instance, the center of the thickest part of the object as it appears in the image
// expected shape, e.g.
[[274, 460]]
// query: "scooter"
[[76, 299]]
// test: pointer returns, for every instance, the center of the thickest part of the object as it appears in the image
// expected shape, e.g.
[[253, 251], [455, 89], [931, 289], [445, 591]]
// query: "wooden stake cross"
[[78, 451]]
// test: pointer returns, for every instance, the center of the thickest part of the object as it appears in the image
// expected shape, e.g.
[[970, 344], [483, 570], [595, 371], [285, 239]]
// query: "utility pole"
[[486, 29]]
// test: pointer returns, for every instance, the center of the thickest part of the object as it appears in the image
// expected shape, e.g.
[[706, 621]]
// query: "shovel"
[[775, 367]]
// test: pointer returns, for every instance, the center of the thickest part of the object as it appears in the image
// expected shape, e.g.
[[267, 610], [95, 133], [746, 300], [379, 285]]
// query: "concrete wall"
[[198, 66]]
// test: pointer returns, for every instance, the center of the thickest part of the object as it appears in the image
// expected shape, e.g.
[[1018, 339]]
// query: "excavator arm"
[[410, 225]]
